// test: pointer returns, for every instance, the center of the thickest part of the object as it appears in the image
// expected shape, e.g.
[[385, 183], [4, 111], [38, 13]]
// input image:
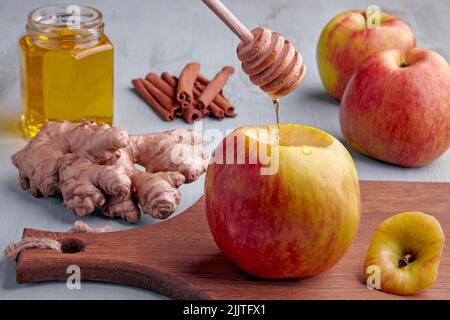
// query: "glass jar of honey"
[[67, 67]]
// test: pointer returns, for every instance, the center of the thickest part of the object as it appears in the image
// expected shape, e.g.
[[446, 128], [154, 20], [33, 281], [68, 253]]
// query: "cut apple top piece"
[[406, 249]]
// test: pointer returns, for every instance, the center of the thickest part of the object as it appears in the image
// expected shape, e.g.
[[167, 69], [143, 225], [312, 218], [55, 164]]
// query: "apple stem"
[[364, 14], [405, 260]]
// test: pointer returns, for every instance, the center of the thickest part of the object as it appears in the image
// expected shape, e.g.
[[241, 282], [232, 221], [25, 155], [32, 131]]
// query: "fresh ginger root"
[[95, 167]]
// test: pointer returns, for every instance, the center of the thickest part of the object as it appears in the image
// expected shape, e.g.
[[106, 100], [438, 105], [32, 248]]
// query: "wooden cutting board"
[[178, 258]]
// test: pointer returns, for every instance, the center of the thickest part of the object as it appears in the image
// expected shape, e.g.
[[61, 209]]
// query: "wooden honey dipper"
[[271, 61]]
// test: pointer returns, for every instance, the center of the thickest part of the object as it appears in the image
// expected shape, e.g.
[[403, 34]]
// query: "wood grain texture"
[[179, 258]]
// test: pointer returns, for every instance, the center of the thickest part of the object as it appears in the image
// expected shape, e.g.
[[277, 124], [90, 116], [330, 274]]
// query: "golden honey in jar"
[[67, 67]]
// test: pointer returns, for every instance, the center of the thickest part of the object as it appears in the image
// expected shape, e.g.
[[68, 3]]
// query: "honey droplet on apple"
[[306, 150]]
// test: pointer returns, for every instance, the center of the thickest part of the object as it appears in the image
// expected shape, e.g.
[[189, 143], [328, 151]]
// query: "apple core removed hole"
[[405, 260], [289, 135]]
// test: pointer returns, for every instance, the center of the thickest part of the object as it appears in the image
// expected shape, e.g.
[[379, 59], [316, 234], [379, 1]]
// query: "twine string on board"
[[13, 250]]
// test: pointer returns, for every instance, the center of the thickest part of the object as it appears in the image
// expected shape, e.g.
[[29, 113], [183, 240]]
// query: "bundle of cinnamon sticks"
[[191, 95]]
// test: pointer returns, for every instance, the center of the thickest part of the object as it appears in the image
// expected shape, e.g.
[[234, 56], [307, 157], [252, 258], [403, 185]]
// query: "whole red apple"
[[349, 38], [296, 219], [396, 107]]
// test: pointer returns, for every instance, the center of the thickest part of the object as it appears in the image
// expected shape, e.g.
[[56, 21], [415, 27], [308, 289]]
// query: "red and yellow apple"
[[296, 219], [396, 107], [404, 253], [348, 39]]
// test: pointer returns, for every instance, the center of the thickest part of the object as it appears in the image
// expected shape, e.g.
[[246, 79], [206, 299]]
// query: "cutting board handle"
[[78, 249], [132, 257]]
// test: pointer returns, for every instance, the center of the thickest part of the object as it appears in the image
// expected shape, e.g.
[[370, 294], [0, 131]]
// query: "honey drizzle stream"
[[276, 104]]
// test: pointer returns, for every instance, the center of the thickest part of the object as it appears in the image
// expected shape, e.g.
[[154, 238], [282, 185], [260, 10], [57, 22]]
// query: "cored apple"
[[349, 38], [283, 205], [396, 108], [404, 253]]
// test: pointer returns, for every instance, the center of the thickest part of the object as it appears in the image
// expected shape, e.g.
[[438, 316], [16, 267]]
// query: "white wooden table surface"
[[164, 36]]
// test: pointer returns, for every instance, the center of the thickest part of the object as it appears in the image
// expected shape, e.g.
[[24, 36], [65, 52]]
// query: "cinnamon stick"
[[213, 108], [203, 80], [230, 114], [168, 90], [205, 113], [218, 113], [205, 97], [192, 114], [219, 100], [186, 83], [165, 100], [214, 87], [172, 81], [138, 84]]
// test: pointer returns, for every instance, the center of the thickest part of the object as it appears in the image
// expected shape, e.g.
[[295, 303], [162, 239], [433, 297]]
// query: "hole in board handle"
[[72, 246]]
